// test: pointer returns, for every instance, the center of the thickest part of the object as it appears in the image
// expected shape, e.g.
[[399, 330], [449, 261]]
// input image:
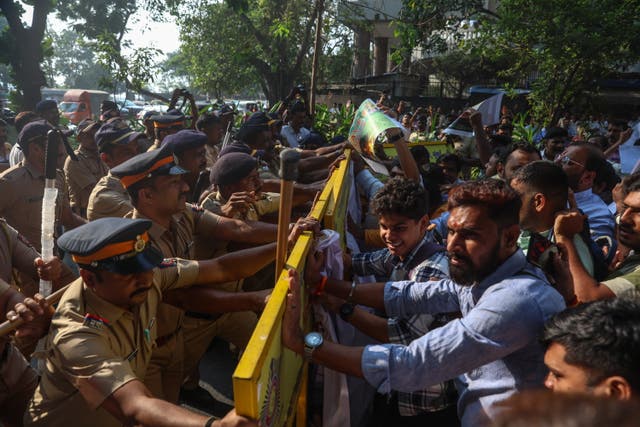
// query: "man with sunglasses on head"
[[580, 162]]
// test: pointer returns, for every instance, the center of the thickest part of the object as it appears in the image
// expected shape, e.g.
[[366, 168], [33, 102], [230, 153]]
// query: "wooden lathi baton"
[[289, 159], [8, 327]]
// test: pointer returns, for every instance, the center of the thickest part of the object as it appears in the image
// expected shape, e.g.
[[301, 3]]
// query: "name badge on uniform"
[[94, 321]]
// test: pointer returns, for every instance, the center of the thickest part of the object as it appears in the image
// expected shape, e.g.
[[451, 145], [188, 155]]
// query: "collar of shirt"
[[509, 268], [98, 306], [32, 171], [397, 263], [583, 196]]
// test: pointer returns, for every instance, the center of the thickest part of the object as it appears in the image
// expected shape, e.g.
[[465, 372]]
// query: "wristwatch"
[[346, 311], [312, 341]]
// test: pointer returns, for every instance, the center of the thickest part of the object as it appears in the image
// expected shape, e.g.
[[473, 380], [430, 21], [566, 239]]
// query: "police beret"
[[236, 147], [115, 131], [231, 168], [118, 245], [45, 105], [86, 125], [146, 165], [184, 140], [32, 132], [107, 105], [165, 121]]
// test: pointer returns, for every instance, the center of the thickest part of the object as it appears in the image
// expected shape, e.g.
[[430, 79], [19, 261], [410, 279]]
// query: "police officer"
[[104, 330], [158, 192], [22, 186], [166, 124], [116, 143], [17, 379], [83, 174], [189, 146]]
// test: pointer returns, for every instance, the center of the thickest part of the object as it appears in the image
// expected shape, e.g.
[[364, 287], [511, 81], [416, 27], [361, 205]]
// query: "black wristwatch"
[[346, 311]]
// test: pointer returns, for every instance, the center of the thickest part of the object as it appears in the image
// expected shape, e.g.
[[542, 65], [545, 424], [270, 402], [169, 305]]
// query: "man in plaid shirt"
[[410, 254]]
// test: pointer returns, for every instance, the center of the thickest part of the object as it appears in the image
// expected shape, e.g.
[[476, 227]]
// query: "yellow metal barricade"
[[269, 383]]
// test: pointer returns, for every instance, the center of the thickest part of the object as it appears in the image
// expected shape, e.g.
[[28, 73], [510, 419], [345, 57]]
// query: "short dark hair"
[[546, 178], [451, 158], [522, 146], [556, 132], [631, 183], [401, 196], [207, 119], [602, 336], [502, 203], [298, 107]]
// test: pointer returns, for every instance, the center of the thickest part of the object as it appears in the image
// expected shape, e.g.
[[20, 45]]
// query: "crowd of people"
[[471, 280]]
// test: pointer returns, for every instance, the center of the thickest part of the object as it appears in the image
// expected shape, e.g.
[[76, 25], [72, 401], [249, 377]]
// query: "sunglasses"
[[565, 160]]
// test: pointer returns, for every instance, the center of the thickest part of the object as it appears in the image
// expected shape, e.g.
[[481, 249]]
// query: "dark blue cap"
[[116, 132], [231, 168], [168, 121], [184, 140], [32, 132], [146, 165], [236, 147], [118, 245], [45, 105]]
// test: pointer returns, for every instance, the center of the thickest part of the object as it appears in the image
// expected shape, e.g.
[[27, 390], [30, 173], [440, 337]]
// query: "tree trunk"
[[25, 60]]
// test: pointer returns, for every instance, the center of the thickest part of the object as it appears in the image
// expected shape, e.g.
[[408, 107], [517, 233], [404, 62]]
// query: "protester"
[[503, 299]]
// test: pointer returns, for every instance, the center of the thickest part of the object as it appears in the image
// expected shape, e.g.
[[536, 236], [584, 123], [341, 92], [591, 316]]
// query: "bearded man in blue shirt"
[[493, 349]]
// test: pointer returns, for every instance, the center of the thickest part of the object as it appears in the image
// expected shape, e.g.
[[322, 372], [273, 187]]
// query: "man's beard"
[[468, 274]]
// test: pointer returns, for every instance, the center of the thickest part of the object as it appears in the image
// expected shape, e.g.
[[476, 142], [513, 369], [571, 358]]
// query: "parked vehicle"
[[80, 104]]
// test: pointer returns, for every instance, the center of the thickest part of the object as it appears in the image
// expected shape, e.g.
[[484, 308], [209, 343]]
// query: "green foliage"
[[229, 47], [74, 61], [333, 123], [522, 131], [568, 45]]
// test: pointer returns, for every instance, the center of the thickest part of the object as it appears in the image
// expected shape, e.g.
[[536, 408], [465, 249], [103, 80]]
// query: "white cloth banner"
[[335, 409]]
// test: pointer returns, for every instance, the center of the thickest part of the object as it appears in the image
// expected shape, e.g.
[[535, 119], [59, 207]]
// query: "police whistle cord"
[[9, 326], [49, 204], [289, 159]]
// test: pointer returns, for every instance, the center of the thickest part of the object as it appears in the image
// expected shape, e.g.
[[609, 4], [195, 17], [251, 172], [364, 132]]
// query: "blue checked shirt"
[[494, 347], [385, 266]]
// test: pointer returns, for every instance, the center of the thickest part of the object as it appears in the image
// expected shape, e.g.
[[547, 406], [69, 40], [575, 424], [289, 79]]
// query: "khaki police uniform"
[[266, 204], [95, 347], [108, 199], [16, 252], [211, 154], [184, 339], [21, 192], [17, 379], [82, 175]]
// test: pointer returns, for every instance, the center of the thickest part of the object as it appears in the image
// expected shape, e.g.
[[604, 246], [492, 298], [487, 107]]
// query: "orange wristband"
[[320, 288]]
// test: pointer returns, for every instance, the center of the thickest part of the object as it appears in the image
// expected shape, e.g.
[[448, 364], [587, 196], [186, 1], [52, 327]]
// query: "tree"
[[73, 62], [236, 42], [566, 46], [22, 47], [562, 48]]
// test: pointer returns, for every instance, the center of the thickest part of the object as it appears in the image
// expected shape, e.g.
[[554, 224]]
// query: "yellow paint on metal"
[[269, 378]]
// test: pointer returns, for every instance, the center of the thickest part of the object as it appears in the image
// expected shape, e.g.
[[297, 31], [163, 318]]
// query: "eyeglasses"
[[565, 160]]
